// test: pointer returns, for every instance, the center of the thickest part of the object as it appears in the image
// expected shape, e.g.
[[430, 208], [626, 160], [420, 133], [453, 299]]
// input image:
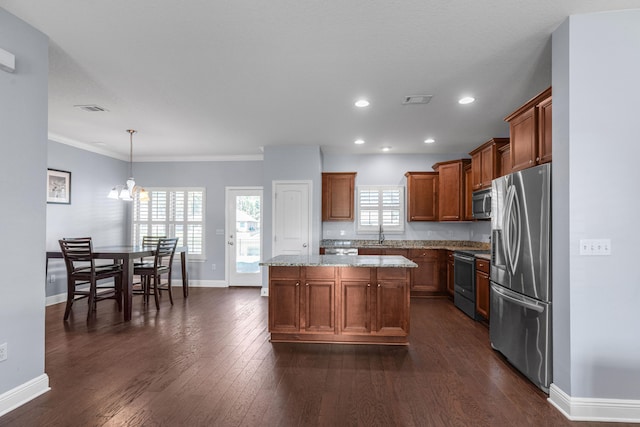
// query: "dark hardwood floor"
[[207, 361]]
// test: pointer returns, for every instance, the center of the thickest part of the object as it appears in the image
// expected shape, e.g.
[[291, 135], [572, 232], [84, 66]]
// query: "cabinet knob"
[[307, 284], [379, 285], [530, 161], [297, 283], [368, 285], [537, 159]]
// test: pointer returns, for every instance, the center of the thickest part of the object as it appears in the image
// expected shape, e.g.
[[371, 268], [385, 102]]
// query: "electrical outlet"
[[3, 352], [213, 267], [52, 278]]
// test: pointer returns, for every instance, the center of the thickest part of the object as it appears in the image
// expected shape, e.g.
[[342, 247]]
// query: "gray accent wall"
[[214, 177], [596, 320], [23, 141], [293, 163], [91, 213]]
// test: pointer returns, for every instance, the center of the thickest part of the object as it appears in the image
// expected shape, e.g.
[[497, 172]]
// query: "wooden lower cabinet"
[[392, 302], [356, 307], [339, 304], [425, 280], [284, 299], [319, 300], [450, 270], [482, 288]]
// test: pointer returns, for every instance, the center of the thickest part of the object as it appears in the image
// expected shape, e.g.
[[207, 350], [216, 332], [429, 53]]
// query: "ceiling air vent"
[[92, 108], [416, 99]]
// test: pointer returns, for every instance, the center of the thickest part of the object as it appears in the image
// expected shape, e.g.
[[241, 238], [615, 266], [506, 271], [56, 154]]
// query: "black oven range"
[[464, 279]]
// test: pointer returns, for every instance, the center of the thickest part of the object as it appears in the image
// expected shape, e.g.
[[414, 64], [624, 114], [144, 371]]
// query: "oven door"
[[464, 275], [464, 280]]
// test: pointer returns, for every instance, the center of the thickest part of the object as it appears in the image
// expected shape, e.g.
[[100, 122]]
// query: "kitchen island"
[[339, 298]]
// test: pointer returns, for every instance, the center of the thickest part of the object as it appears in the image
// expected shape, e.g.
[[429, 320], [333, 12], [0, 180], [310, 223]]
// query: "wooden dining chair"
[[152, 242], [151, 273], [83, 275]]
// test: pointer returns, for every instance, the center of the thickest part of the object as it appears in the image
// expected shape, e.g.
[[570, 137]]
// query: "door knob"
[[230, 243], [304, 245]]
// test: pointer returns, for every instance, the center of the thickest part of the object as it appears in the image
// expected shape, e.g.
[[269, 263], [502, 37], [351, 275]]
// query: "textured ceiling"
[[218, 79]]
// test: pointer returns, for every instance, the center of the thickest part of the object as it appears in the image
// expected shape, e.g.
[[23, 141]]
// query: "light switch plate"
[[595, 247]]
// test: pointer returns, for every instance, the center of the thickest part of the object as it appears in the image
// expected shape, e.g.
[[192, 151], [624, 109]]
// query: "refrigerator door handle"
[[511, 216], [505, 227], [515, 300]]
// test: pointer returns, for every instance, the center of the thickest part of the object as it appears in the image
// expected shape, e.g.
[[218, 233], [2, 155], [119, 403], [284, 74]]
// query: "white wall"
[[596, 149], [389, 169], [23, 142]]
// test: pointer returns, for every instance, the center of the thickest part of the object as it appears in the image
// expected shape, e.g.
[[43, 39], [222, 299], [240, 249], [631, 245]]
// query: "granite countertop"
[[378, 261], [406, 244]]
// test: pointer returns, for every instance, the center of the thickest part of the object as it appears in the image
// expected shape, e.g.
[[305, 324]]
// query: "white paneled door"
[[291, 217], [244, 236]]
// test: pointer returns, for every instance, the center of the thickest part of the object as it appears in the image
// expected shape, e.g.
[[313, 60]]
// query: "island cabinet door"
[[355, 313], [284, 299], [392, 301], [319, 300]]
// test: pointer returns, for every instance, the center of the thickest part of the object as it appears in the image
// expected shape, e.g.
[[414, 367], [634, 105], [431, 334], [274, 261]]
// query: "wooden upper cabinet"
[[422, 196], [486, 163], [451, 189], [504, 153], [338, 196], [468, 194], [530, 130], [544, 131]]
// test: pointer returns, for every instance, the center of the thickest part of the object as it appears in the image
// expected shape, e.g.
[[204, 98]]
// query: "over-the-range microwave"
[[481, 202]]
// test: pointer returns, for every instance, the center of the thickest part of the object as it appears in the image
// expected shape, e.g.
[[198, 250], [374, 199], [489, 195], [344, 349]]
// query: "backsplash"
[[468, 231]]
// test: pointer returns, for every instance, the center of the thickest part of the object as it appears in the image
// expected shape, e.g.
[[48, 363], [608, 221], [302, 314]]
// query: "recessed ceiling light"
[[466, 100], [429, 141], [359, 141], [385, 149], [361, 103]]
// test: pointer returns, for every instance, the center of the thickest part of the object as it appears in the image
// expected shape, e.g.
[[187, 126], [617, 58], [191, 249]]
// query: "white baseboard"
[[591, 409], [207, 284], [57, 299], [264, 292], [20, 395]]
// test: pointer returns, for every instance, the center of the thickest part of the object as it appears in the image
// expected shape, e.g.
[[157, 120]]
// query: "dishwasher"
[[341, 251]]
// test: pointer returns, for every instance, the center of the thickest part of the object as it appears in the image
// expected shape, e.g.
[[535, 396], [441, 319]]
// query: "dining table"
[[128, 254]]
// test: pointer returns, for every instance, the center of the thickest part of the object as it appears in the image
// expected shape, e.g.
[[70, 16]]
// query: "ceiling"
[[221, 79]]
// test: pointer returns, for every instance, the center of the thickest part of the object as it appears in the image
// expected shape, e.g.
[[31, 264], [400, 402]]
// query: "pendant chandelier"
[[130, 189]]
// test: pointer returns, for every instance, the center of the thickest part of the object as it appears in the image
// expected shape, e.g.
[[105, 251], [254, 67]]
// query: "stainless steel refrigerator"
[[520, 314]]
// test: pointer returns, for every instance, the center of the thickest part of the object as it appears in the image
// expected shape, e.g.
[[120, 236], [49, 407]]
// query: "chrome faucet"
[[380, 235]]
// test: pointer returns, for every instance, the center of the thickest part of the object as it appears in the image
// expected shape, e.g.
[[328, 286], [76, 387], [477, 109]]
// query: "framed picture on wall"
[[58, 186]]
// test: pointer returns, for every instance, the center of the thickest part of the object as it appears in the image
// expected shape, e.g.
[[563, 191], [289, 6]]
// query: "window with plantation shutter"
[[380, 205], [172, 212]]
